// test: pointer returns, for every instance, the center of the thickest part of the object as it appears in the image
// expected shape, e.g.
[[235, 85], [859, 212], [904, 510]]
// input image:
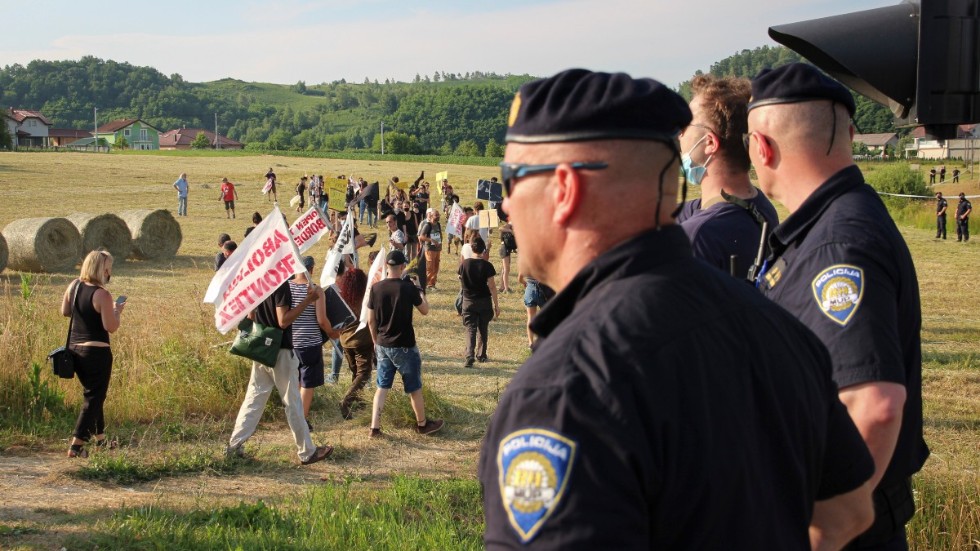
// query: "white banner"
[[455, 221], [377, 272], [309, 229], [263, 262], [344, 245]]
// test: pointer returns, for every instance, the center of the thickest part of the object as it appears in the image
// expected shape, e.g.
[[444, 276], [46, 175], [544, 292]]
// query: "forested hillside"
[[447, 113], [870, 117]]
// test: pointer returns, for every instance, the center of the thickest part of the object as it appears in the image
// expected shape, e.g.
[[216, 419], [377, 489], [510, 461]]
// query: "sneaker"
[[430, 426], [331, 379], [482, 359], [236, 452], [376, 433], [469, 363], [321, 453]]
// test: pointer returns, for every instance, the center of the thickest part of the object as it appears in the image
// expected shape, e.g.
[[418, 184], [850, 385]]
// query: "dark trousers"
[[476, 317], [359, 350], [963, 229], [940, 226], [93, 366]]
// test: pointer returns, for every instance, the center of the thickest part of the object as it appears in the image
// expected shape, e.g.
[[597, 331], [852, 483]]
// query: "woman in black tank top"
[[96, 315]]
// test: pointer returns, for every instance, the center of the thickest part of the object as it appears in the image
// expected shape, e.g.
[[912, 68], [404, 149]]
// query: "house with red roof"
[[182, 138], [136, 133], [30, 128]]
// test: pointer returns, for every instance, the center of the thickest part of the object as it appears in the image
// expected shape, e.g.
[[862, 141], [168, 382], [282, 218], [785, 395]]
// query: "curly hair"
[[724, 105]]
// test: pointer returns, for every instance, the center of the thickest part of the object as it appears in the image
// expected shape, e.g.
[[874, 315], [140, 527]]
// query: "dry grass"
[[172, 375]]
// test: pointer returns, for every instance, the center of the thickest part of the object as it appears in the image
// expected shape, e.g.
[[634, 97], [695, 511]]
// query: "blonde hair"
[[94, 267]]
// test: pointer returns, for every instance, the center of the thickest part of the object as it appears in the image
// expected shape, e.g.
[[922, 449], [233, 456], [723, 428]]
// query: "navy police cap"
[[795, 83], [580, 105]]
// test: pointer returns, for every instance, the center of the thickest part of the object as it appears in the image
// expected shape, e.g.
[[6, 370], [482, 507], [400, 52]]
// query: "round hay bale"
[[103, 231], [3, 253], [155, 233], [43, 244]]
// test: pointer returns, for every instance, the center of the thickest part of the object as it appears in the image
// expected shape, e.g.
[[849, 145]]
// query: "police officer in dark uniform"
[[840, 265], [963, 210], [940, 215], [666, 405]]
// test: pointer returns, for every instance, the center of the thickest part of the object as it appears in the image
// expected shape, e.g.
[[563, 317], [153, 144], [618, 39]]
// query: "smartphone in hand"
[[121, 299]]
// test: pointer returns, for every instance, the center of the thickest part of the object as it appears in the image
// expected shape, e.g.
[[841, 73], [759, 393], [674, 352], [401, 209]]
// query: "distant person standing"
[[940, 215], [181, 186], [301, 193], [270, 185], [932, 175], [963, 210], [229, 195], [430, 235], [391, 302], [219, 259], [956, 175], [480, 305], [942, 174]]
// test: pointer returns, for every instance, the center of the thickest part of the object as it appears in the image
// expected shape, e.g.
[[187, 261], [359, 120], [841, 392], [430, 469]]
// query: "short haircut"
[[479, 204], [724, 103], [223, 238], [94, 267], [229, 246], [477, 244], [256, 217]]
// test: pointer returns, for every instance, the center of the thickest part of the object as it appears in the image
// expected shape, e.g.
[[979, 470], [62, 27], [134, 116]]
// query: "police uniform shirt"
[[962, 207], [940, 205], [666, 405], [842, 268], [760, 201]]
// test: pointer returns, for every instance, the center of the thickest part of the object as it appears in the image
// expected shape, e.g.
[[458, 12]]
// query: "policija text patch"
[[838, 291]]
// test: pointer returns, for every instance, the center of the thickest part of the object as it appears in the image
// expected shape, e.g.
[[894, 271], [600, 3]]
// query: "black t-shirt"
[[393, 301], [265, 312], [940, 205], [400, 220], [666, 406], [422, 197], [475, 273]]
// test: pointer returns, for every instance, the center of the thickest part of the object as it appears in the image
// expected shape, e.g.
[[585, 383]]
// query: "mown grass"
[[406, 513], [175, 390]]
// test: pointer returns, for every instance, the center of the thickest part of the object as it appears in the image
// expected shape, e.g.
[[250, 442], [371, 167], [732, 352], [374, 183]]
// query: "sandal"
[[321, 453]]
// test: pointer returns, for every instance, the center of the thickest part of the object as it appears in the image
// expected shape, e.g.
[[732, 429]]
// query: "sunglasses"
[[511, 172]]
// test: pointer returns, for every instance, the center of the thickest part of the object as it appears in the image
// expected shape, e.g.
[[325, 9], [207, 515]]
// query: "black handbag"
[[257, 342], [62, 359]]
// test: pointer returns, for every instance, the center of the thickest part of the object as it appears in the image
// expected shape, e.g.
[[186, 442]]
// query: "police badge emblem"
[[533, 466], [838, 291]]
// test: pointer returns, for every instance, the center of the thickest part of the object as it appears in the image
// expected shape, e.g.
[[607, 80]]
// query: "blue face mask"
[[693, 173]]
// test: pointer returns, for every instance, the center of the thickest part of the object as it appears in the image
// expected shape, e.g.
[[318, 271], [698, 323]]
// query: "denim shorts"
[[533, 296], [406, 361]]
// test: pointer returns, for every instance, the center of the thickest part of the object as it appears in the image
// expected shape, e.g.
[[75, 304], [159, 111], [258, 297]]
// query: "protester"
[[473, 223], [301, 193], [94, 315], [270, 183], [666, 405], [840, 265], [480, 304], [256, 220], [219, 258], [536, 295], [278, 311], [227, 248], [309, 329], [508, 245], [390, 305], [229, 195], [430, 235], [182, 188], [356, 340]]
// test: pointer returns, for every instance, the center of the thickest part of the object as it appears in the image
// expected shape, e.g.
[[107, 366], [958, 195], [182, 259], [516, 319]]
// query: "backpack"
[[507, 238]]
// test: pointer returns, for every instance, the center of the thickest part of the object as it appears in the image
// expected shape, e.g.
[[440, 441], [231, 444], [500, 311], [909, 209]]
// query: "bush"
[[897, 178]]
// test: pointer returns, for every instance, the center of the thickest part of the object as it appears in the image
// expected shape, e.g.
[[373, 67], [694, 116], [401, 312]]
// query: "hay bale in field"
[[156, 234], [43, 244], [3, 253], [103, 231]]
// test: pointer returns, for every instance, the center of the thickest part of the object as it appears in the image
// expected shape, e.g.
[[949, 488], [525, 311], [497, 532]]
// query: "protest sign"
[[344, 245], [456, 221], [308, 229], [377, 272], [488, 190]]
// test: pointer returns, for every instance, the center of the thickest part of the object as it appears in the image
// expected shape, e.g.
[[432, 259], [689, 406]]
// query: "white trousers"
[[284, 377]]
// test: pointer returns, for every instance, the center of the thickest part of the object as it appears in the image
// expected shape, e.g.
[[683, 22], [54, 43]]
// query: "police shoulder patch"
[[838, 291], [533, 466]]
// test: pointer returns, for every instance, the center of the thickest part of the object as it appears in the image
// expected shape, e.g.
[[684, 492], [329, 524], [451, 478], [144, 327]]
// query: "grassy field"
[[175, 390]]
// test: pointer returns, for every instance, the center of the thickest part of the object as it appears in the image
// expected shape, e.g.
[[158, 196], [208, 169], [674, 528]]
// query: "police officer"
[[963, 210], [940, 215], [666, 405], [840, 265]]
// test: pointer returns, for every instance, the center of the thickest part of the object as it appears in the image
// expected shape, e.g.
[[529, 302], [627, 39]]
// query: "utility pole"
[[382, 137], [95, 131]]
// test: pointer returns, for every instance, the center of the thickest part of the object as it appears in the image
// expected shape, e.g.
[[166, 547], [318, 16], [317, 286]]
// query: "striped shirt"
[[306, 330]]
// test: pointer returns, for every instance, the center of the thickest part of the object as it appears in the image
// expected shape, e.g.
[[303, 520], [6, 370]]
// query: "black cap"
[[795, 83], [308, 263], [580, 105], [396, 258]]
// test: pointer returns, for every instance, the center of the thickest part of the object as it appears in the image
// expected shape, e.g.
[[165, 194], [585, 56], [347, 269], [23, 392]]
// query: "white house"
[[32, 128]]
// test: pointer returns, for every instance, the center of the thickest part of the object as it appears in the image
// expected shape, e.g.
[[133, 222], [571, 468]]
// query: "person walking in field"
[[182, 188], [229, 195], [270, 186]]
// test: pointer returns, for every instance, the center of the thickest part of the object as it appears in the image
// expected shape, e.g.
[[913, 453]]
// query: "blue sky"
[[285, 41]]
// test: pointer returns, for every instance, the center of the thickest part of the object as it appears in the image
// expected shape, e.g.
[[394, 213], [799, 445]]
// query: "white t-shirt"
[[474, 224], [466, 252]]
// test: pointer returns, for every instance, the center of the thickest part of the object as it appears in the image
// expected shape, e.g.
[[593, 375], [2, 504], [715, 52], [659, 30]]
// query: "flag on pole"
[[377, 272], [265, 260], [344, 245], [308, 229]]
